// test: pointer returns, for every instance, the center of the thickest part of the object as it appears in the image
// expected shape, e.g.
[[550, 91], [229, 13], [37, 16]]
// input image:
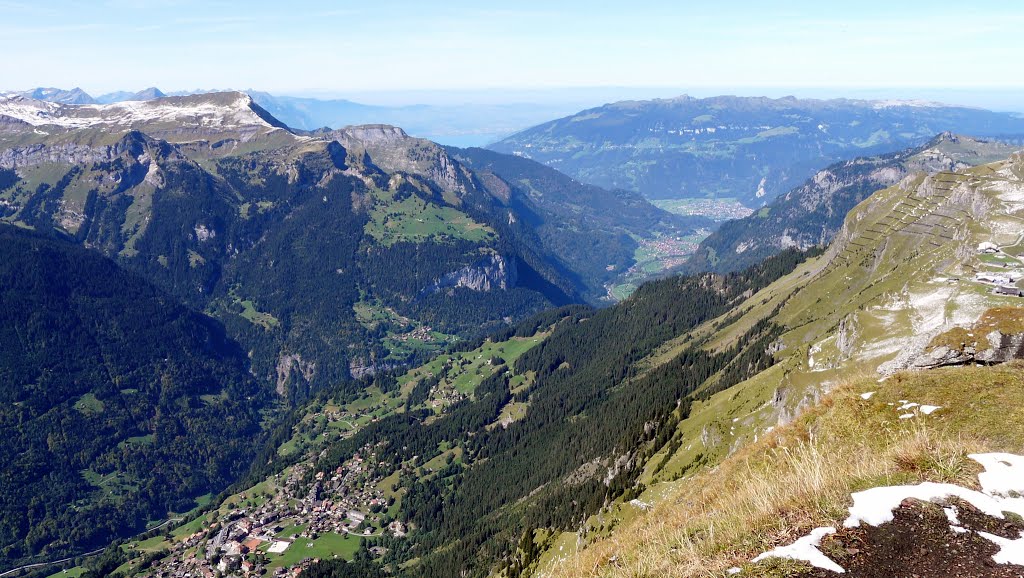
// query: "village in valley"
[[307, 513], [282, 524]]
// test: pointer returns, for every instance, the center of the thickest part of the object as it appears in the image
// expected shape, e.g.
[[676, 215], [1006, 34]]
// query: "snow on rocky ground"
[[806, 549], [934, 309], [1010, 192], [1001, 484], [190, 111]]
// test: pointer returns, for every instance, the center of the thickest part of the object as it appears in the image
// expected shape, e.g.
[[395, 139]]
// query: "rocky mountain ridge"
[[202, 193], [177, 119], [813, 213]]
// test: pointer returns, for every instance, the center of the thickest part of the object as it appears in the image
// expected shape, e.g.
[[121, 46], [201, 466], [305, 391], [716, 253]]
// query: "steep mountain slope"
[[910, 282], [750, 149], [477, 447], [814, 212], [604, 232], [541, 450], [330, 256], [117, 404]]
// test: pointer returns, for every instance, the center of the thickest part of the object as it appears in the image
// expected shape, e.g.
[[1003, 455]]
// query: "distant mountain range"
[[464, 125], [727, 147], [79, 96]]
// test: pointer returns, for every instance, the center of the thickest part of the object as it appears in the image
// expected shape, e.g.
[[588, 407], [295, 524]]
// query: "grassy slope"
[[800, 476], [878, 293], [394, 219]]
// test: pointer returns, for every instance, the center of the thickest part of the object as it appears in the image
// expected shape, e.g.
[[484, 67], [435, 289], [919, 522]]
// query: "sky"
[[417, 50]]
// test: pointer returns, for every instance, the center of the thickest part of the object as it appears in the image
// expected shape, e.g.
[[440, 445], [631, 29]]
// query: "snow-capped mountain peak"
[[213, 112]]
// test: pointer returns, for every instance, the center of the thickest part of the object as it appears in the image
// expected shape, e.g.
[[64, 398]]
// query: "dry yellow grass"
[[801, 475]]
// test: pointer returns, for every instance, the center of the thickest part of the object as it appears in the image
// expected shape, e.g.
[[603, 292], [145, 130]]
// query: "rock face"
[[133, 143], [289, 365], [943, 356], [395, 151], [491, 273], [997, 347], [1002, 348]]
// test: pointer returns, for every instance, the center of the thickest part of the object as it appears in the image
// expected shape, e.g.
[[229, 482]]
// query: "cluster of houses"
[[244, 542], [422, 333], [1003, 282]]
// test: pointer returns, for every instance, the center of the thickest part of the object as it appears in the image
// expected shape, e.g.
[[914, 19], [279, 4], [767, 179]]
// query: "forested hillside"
[[117, 404], [560, 462]]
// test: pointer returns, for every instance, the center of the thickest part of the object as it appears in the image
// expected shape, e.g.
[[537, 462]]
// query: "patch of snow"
[[908, 405], [734, 570], [192, 112], [867, 395], [915, 103], [951, 515], [639, 504], [928, 409], [907, 416], [806, 549], [1010, 551], [1003, 476]]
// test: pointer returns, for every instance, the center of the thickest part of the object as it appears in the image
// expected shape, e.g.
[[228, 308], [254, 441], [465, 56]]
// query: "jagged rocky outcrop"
[[70, 153], [491, 273], [393, 150], [996, 347]]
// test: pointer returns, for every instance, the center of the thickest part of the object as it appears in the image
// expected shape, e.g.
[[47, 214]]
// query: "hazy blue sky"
[[346, 48]]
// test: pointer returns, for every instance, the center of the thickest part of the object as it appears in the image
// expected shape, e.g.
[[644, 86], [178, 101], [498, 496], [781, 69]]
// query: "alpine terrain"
[[393, 314], [813, 213], [731, 148], [319, 260], [748, 407]]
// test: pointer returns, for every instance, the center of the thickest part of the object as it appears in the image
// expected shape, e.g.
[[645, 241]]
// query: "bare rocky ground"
[[919, 543]]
